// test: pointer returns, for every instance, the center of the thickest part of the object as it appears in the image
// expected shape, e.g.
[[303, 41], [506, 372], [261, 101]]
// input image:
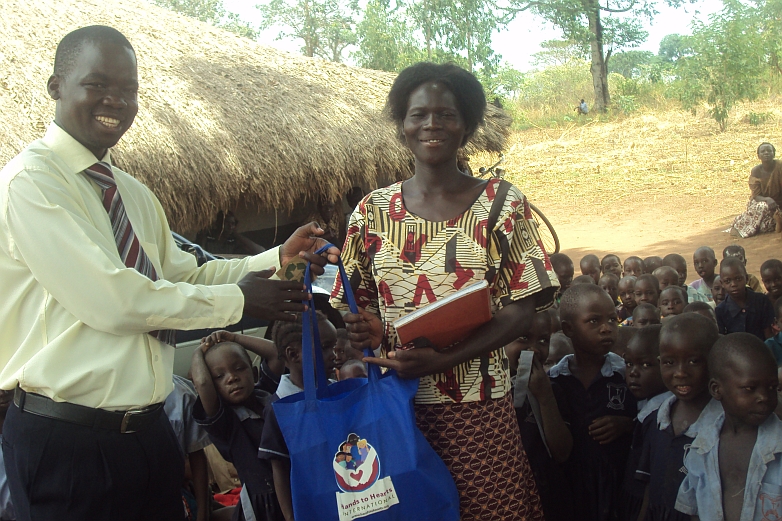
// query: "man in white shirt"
[[79, 329]]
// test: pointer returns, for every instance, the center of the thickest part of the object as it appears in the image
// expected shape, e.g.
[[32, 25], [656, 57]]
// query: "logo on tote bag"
[[357, 471]]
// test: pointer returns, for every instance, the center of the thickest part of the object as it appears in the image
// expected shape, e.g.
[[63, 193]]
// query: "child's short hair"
[[610, 276], [352, 365], [645, 307], [674, 259], [583, 279], [771, 264], [634, 258], [733, 262], [342, 334], [285, 334], [573, 298], [652, 263], [602, 261], [681, 291], [708, 249], [588, 259], [651, 279], [699, 331], [245, 354], [560, 260], [666, 270], [648, 336], [737, 345], [694, 307], [733, 250]]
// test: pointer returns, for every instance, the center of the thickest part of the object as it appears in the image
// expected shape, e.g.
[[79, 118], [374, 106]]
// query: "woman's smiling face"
[[433, 126]]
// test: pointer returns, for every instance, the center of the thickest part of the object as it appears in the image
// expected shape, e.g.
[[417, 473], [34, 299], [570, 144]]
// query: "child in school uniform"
[[626, 289], [734, 465], [287, 336], [642, 374], [685, 341], [192, 439], [743, 310], [672, 301], [544, 432], [230, 408], [705, 263], [600, 406]]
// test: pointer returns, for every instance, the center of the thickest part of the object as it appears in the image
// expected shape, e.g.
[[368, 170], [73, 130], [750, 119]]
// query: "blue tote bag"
[[354, 446]]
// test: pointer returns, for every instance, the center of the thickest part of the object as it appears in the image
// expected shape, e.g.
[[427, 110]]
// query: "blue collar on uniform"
[[651, 405], [707, 415], [613, 364], [769, 440]]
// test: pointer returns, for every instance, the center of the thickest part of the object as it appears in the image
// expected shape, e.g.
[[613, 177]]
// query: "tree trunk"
[[598, 69]]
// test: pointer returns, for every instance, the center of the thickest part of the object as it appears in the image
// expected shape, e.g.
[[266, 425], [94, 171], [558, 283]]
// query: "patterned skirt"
[[758, 218], [481, 446]]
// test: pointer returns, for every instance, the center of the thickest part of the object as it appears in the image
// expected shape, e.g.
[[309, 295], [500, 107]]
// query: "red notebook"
[[448, 320]]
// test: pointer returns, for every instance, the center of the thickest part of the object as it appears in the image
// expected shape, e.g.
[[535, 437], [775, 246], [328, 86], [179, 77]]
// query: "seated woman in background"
[[765, 182]]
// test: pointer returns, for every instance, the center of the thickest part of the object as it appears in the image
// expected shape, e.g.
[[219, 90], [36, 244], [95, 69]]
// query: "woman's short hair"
[[468, 91]]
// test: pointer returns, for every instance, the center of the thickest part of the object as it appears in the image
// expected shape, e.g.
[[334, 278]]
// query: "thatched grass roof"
[[221, 118]]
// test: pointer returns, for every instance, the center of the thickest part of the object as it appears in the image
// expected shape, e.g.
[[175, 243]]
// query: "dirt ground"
[[651, 184]]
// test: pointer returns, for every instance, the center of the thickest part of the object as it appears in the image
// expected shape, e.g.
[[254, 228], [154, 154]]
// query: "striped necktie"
[[130, 251]]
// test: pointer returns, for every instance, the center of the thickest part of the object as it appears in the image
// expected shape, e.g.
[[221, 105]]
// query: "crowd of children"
[[656, 374]]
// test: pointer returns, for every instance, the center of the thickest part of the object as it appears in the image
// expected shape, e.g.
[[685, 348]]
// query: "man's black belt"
[[119, 421]]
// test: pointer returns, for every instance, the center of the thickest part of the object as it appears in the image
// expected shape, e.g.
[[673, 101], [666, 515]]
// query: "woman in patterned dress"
[[763, 212], [417, 241]]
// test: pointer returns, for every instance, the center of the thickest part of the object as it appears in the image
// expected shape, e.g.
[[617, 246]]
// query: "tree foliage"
[[212, 12]]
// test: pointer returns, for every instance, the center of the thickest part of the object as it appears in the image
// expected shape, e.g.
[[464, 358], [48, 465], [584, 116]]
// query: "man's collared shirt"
[[74, 320]]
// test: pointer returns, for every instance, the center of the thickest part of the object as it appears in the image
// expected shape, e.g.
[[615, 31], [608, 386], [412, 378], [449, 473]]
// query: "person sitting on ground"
[[666, 276], [763, 212], [647, 289], [627, 296], [734, 250], [743, 310], [582, 108], [610, 284], [611, 264], [702, 308], [645, 314], [677, 262], [634, 266], [734, 465], [775, 342], [223, 238], [672, 301], [705, 263], [564, 269], [590, 265], [652, 263], [771, 275], [717, 291]]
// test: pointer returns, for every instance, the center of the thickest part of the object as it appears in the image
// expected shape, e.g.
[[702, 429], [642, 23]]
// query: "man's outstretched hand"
[[304, 242], [272, 299]]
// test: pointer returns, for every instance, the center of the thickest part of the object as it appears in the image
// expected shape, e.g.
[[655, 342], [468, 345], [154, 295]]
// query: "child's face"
[[538, 337], [681, 270], [645, 317], [611, 265], [593, 329], [705, 263], [609, 285], [328, 340], [772, 280], [634, 267], [643, 370], [651, 264], [717, 291], [734, 282], [231, 372], [592, 269], [565, 274], [645, 292], [626, 293], [683, 367], [671, 302], [668, 278], [747, 390]]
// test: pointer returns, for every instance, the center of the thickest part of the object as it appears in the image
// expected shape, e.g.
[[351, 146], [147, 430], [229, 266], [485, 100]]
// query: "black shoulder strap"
[[494, 213]]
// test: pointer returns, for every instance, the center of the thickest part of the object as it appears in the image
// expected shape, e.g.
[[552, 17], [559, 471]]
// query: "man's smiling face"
[[97, 98]]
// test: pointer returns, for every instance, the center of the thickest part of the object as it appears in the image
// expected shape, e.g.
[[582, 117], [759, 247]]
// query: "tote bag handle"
[[311, 337]]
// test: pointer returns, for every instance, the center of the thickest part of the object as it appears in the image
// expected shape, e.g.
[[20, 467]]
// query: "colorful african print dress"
[[398, 262], [759, 216]]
